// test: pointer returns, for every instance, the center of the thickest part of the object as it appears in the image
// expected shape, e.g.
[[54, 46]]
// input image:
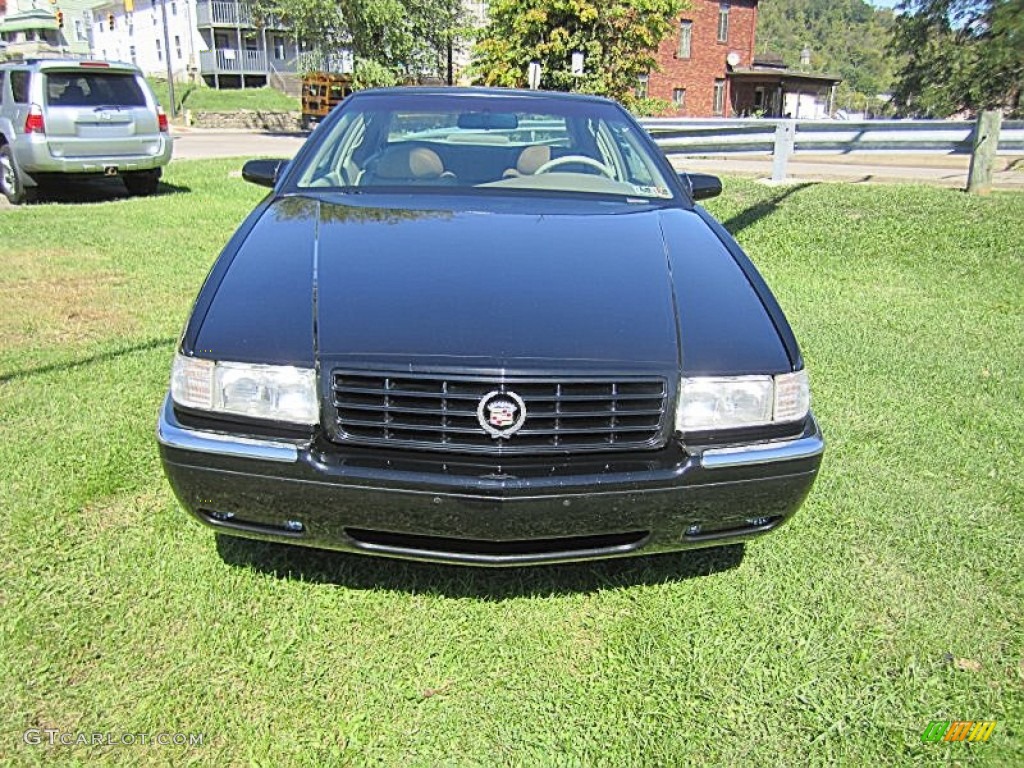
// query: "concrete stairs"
[[288, 83]]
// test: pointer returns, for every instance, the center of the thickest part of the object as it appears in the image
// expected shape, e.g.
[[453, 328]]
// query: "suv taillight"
[[34, 122], [161, 119]]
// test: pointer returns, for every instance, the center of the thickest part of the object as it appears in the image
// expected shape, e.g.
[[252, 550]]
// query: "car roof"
[[89, 65], [429, 91]]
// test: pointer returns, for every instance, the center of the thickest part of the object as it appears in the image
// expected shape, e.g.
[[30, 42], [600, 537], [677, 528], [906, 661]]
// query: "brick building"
[[709, 38], [708, 68]]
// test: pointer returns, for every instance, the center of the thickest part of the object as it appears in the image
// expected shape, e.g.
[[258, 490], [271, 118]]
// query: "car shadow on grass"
[[366, 572], [761, 210], [99, 357], [98, 190]]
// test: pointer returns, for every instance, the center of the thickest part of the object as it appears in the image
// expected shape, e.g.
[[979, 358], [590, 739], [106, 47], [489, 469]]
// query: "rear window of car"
[[93, 89], [19, 86]]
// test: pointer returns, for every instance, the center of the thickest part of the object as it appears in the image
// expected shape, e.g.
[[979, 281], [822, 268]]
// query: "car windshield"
[[512, 144]]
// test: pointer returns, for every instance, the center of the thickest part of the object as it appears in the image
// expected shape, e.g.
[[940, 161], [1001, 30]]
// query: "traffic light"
[[60, 19], [110, 21]]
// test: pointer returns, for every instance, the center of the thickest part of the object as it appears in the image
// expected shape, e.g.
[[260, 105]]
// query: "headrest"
[[532, 158], [410, 163]]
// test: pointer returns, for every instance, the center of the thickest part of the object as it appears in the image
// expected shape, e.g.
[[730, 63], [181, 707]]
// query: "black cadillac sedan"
[[487, 327]]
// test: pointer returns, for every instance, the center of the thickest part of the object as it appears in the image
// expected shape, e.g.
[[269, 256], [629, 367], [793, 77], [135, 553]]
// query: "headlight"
[[274, 392], [741, 401]]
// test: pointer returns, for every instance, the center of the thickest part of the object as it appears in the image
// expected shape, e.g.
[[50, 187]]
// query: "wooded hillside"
[[849, 38]]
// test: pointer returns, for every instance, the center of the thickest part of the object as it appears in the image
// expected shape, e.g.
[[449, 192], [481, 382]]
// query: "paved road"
[[924, 169], [196, 144], [907, 169]]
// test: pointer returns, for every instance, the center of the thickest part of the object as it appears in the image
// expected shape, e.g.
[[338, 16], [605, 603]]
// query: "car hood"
[[353, 284], [493, 289]]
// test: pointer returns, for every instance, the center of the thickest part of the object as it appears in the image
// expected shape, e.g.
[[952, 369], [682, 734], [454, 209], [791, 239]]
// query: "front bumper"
[[445, 509]]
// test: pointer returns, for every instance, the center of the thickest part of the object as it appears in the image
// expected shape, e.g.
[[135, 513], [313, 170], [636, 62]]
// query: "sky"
[[883, 3]]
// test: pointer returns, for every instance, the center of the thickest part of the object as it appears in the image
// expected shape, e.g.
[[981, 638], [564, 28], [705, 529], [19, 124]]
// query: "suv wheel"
[[142, 182], [10, 181]]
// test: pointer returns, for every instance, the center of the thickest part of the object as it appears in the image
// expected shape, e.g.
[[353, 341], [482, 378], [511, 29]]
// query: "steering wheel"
[[583, 159]]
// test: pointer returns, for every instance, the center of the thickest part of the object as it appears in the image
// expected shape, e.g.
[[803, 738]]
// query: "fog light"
[[294, 526], [758, 522], [693, 530]]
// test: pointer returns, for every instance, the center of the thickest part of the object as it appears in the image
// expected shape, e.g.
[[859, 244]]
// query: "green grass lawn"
[[202, 98], [895, 596]]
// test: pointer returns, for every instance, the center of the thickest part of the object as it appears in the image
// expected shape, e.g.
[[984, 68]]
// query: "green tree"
[[960, 55], [391, 40], [619, 39], [848, 38]]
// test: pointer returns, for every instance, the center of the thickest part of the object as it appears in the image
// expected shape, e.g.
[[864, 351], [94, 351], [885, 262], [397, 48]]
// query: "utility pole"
[[167, 57], [451, 60], [451, 43]]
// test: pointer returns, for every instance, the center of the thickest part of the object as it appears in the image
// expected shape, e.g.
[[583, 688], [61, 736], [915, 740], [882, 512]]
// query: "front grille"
[[439, 413]]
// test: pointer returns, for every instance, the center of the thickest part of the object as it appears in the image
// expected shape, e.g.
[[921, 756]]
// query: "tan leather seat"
[[409, 165], [530, 159]]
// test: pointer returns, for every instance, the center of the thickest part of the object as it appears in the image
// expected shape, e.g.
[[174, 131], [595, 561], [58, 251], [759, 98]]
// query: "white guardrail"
[[783, 138]]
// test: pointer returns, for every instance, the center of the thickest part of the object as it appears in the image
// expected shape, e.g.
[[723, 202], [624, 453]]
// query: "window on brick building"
[[723, 23], [641, 86], [685, 39], [718, 98], [679, 98]]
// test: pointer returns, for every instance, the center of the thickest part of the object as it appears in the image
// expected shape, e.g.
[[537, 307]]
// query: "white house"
[[220, 41], [216, 40]]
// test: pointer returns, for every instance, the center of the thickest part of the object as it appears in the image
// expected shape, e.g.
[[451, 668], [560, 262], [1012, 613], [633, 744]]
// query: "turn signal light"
[[161, 118]]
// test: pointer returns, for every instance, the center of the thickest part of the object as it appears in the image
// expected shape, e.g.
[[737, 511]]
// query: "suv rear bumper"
[[34, 157], [295, 492]]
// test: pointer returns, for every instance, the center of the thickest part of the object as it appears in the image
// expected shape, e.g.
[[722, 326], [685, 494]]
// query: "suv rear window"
[[93, 89]]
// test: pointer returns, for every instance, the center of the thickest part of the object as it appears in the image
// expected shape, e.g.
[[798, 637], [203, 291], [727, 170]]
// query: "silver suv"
[[71, 116]]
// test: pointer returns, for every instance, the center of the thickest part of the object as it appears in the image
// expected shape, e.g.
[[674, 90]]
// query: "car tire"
[[11, 185], [141, 183]]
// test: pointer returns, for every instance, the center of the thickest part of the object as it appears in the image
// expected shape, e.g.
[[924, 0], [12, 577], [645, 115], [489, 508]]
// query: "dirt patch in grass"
[[49, 304], [118, 513]]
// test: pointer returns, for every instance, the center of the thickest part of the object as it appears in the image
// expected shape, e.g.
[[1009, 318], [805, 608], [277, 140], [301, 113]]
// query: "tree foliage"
[[390, 40], [848, 38], [960, 55], [619, 39]]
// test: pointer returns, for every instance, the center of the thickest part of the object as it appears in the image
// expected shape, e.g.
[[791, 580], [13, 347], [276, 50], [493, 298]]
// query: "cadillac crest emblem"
[[501, 414]]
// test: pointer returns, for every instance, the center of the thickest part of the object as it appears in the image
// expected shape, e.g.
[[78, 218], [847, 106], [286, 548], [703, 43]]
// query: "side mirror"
[[702, 185], [263, 172]]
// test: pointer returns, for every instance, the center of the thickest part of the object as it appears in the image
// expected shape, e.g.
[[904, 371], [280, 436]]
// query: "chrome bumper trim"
[[224, 445], [763, 453]]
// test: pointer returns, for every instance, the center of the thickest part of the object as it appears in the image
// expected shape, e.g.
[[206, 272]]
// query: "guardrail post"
[[983, 155], [785, 140]]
